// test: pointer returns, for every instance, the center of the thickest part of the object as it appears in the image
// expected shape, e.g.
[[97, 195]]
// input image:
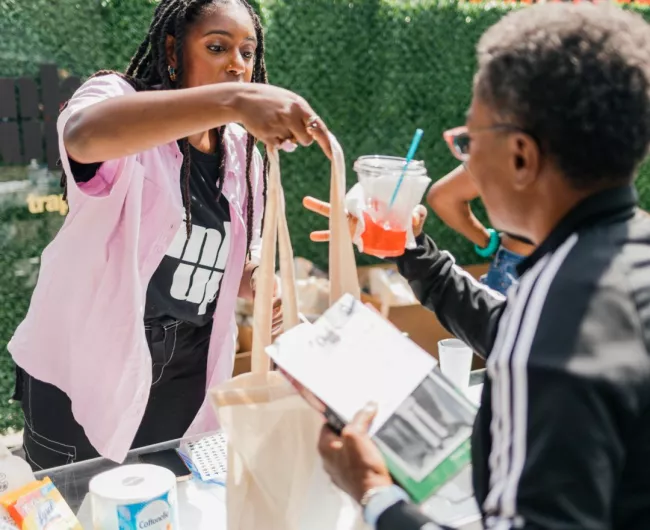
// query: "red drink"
[[382, 240], [387, 216]]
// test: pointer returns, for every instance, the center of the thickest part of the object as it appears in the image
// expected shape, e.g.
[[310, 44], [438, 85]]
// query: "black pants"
[[179, 355]]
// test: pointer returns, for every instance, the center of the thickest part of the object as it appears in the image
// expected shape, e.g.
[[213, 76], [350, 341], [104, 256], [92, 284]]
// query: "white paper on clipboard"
[[351, 339]]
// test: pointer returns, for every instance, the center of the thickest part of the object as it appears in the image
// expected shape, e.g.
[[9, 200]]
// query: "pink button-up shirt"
[[84, 331]]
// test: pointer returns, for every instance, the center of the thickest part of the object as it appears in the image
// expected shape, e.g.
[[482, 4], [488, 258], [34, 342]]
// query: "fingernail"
[[288, 146], [370, 408]]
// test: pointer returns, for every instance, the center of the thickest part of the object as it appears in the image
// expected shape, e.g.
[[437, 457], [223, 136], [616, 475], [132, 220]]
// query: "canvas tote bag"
[[275, 477]]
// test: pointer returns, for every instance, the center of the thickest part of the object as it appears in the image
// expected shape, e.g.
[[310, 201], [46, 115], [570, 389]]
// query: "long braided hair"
[[149, 69]]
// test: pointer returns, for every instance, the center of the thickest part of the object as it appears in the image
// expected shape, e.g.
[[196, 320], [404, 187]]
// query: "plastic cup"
[[456, 362], [385, 233]]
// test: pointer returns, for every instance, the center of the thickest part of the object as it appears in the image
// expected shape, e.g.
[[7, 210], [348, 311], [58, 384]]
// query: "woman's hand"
[[352, 460], [323, 208], [116, 127], [275, 115]]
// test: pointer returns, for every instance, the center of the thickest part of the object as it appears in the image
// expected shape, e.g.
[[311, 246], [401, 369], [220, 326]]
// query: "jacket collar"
[[600, 208]]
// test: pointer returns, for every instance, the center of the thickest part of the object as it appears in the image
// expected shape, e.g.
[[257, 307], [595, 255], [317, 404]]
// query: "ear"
[[170, 49], [525, 159]]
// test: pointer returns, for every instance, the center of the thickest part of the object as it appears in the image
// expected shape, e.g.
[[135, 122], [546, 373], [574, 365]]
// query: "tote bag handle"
[[275, 233], [342, 263]]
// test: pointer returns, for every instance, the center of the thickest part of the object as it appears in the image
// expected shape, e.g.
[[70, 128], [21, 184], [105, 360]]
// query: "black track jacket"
[[562, 439]]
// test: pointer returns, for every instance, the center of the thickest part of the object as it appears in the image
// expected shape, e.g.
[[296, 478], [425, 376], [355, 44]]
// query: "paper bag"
[[275, 479]]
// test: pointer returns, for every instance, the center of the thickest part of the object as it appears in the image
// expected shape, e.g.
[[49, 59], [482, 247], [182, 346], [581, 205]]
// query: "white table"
[[202, 507]]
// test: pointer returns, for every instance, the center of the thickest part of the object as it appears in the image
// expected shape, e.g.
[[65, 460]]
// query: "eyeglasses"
[[458, 138]]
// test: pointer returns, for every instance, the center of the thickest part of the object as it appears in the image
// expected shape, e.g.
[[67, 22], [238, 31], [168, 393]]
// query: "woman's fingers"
[[320, 236], [323, 208], [299, 125], [318, 130], [306, 126], [317, 206]]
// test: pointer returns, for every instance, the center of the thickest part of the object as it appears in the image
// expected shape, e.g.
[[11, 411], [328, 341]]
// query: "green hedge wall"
[[374, 69]]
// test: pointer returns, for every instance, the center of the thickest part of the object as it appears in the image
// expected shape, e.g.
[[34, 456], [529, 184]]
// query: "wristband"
[[377, 500], [492, 246]]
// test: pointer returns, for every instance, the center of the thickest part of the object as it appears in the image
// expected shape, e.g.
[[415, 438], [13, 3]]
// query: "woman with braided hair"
[[133, 314]]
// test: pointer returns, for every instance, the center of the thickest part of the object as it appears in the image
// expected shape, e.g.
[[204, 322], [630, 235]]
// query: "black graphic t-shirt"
[[186, 284]]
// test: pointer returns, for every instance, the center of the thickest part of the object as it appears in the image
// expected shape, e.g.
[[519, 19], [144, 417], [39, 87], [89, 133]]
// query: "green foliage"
[[22, 238], [67, 32], [374, 69], [125, 23]]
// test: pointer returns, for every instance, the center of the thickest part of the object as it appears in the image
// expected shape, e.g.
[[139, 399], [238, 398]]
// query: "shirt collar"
[[600, 208]]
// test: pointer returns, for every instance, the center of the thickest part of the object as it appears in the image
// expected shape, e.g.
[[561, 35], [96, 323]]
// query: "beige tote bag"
[[275, 477]]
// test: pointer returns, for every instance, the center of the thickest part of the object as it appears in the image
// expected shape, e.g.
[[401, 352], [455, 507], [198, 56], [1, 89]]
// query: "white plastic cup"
[[456, 362], [379, 175], [386, 227]]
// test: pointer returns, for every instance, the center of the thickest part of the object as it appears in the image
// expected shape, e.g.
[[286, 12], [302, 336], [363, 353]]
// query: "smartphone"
[[169, 459]]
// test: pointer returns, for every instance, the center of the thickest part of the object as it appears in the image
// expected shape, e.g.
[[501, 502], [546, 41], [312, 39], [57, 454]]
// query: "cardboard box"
[[421, 325], [242, 363], [245, 346], [245, 338]]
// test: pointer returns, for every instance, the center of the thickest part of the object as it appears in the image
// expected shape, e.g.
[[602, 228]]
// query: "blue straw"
[[409, 157]]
